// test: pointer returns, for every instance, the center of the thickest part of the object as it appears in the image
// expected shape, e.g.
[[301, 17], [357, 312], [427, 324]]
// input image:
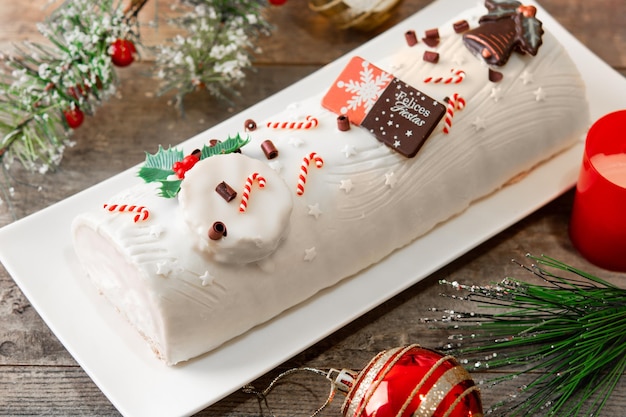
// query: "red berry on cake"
[[181, 167]]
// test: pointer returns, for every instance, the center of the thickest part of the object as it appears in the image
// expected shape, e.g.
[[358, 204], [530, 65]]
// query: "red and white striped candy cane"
[[456, 77], [142, 213], [456, 102], [310, 123], [304, 170], [247, 187]]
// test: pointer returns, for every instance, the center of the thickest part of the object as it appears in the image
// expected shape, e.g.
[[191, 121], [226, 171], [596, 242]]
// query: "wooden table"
[[39, 377]]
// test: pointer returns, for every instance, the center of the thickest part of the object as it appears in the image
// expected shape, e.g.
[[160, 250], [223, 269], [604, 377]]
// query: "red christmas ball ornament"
[[74, 117], [410, 381], [277, 2], [122, 52]]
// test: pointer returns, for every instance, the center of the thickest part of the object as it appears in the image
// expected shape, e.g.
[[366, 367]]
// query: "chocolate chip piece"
[[249, 125], [269, 149], [343, 123], [411, 37], [217, 231], [495, 76], [432, 37], [460, 26], [430, 56], [226, 191]]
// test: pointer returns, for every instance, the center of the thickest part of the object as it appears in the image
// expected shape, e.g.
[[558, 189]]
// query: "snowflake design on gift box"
[[366, 90]]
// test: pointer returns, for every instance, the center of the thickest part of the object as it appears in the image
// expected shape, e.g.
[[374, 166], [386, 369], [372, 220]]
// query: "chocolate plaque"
[[403, 118]]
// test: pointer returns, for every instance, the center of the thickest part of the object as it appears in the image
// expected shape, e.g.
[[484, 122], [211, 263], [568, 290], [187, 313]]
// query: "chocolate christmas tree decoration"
[[509, 26]]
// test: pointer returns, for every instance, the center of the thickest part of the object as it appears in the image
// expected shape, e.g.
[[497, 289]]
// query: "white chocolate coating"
[[251, 235], [365, 202]]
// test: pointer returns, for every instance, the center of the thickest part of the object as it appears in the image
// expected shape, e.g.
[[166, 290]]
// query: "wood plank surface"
[[39, 377]]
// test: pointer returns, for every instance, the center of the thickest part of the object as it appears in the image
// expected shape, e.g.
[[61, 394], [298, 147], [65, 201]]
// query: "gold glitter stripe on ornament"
[[459, 399], [369, 381], [439, 390], [420, 385]]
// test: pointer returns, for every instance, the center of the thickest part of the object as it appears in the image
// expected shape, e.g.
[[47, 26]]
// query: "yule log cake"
[[218, 239]]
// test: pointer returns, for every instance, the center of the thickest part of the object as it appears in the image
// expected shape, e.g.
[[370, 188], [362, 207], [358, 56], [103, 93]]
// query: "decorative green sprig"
[[572, 329]]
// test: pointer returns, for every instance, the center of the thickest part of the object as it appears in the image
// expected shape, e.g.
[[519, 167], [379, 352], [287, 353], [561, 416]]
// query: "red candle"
[[598, 222]]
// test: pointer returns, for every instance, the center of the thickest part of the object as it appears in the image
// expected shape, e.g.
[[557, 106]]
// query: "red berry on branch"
[[74, 117], [122, 52], [277, 2]]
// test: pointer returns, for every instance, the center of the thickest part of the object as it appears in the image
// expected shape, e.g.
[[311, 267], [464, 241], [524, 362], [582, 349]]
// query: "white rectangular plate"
[[119, 361]]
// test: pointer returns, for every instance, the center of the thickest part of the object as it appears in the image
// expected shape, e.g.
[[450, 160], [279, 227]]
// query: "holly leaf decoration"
[[531, 33], [500, 8], [170, 188], [228, 146], [158, 167]]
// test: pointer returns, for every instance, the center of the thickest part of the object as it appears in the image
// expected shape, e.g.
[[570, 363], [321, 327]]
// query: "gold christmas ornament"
[[363, 15]]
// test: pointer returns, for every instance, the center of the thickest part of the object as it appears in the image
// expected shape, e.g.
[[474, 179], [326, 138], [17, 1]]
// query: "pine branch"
[[41, 83], [214, 50], [571, 329]]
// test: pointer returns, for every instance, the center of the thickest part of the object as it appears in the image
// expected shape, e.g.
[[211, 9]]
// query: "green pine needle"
[[570, 331]]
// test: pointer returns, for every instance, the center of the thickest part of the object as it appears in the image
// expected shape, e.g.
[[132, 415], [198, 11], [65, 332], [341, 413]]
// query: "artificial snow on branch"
[[214, 49]]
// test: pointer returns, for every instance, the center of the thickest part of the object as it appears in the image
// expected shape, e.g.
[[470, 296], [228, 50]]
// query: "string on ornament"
[[262, 395], [304, 170]]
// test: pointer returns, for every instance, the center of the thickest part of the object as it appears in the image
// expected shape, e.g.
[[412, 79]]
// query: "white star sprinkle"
[[479, 123], [526, 77], [390, 179], [349, 150], [346, 185], [156, 231], [458, 59], [540, 94], [295, 142], [496, 94], [396, 144], [207, 278], [310, 254], [409, 133], [165, 267], [314, 210], [276, 166]]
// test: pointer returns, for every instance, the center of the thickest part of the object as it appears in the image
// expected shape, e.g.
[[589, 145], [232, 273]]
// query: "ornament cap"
[[344, 380]]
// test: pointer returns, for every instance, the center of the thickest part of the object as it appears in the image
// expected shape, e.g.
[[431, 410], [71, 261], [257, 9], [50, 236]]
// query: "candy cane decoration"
[[310, 123], [455, 102], [142, 212], [248, 187], [304, 170], [456, 77]]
